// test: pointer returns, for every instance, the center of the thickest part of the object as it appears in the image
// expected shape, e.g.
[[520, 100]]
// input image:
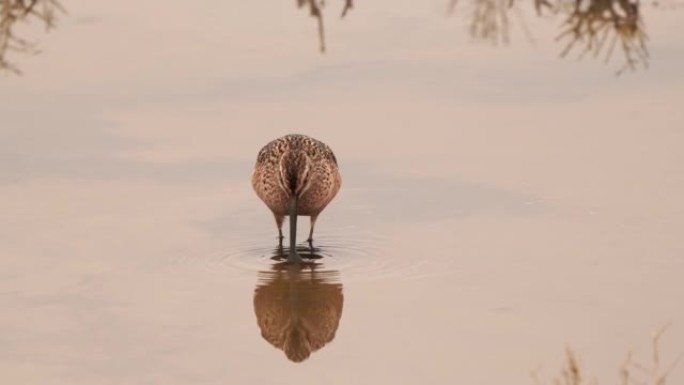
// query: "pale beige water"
[[498, 203]]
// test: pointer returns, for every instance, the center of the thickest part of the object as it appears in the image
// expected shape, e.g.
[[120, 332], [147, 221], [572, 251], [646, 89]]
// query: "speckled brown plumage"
[[296, 165]]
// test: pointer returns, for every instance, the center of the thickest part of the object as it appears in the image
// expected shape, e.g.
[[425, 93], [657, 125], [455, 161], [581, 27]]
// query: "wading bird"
[[296, 175]]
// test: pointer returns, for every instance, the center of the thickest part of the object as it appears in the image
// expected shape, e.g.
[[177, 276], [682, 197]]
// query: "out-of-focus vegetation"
[[631, 372], [315, 10], [13, 12], [594, 28], [589, 27]]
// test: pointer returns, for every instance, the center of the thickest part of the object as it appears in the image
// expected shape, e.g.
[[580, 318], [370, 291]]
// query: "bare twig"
[[348, 4], [12, 11], [489, 19], [592, 22], [315, 10], [593, 27]]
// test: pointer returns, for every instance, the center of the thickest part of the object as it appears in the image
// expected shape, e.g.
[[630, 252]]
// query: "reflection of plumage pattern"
[[298, 311], [296, 165]]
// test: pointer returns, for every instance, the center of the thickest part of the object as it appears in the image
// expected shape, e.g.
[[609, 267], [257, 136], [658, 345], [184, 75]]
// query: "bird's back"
[[315, 149], [325, 179]]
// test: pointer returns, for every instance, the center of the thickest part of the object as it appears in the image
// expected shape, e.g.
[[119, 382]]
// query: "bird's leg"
[[311, 229], [279, 222], [293, 257], [280, 252]]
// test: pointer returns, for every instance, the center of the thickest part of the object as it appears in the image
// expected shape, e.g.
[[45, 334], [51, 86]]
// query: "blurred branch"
[[348, 4], [490, 19], [594, 27], [12, 11], [315, 7], [598, 25]]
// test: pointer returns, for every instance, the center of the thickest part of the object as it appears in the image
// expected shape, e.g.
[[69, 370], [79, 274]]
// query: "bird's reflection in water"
[[298, 306]]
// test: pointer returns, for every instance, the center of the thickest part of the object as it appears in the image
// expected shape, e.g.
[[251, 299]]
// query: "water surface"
[[497, 203]]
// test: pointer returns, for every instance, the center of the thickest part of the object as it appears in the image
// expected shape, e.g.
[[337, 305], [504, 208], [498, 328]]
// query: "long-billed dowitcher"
[[296, 175]]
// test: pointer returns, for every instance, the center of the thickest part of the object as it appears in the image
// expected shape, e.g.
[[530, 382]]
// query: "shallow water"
[[497, 203]]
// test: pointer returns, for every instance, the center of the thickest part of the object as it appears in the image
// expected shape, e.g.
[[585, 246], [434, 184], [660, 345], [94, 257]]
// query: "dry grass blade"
[[657, 375], [653, 374], [571, 372], [624, 369]]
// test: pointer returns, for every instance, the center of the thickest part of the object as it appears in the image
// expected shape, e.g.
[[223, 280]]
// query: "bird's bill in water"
[[293, 257]]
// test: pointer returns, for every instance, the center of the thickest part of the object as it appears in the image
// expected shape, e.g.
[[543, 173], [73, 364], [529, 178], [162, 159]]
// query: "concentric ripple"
[[358, 257]]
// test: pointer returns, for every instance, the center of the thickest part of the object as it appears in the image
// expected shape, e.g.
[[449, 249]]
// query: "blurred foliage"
[[589, 27], [490, 19], [596, 26], [631, 372], [14, 11], [593, 28]]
